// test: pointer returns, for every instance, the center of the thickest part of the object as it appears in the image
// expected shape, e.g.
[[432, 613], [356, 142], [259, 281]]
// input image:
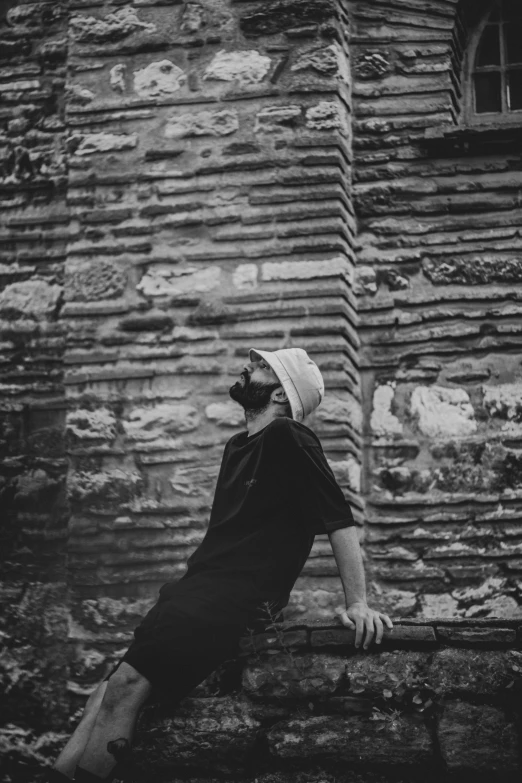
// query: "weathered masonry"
[[181, 181]]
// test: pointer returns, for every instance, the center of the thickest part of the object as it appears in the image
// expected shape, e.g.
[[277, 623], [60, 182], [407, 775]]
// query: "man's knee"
[[124, 686], [95, 699]]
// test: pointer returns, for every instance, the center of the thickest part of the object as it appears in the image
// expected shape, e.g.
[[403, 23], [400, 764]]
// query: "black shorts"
[[176, 650]]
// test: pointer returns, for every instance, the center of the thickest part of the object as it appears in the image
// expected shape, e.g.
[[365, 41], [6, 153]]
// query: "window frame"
[[471, 118]]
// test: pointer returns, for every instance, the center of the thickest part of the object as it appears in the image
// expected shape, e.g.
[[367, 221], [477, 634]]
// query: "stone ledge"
[[405, 633], [438, 695]]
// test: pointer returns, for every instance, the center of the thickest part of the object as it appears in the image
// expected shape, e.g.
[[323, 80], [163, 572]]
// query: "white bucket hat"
[[300, 378]]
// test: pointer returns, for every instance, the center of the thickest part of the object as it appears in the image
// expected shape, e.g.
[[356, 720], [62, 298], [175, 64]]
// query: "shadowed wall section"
[[33, 240], [439, 278], [210, 203]]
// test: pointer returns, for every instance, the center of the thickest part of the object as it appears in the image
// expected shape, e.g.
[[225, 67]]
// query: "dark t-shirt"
[[275, 491]]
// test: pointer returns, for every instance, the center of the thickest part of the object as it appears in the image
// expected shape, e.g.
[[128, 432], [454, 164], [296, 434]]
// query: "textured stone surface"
[[480, 672], [171, 281], [443, 412], [431, 250], [158, 79], [326, 61], [404, 740], [294, 270], [104, 142], [113, 27], [284, 677], [91, 281], [383, 421], [478, 737], [225, 414], [31, 298], [326, 115], [204, 123], [92, 425], [209, 733], [247, 67], [284, 14], [275, 119], [160, 420], [477, 635]]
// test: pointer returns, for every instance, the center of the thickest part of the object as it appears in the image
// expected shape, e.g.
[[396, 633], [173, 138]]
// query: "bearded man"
[[275, 492]]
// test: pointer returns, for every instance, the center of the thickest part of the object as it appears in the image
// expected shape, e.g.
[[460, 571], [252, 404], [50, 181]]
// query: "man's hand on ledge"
[[366, 623]]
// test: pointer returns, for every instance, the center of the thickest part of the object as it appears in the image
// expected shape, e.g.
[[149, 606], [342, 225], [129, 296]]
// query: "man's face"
[[257, 382]]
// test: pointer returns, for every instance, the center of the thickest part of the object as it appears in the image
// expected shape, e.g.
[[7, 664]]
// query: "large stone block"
[[477, 635], [390, 672], [225, 414], [398, 739], [383, 422], [111, 28], [504, 402], [484, 672], [275, 119], [276, 17], [103, 489], [443, 412], [92, 616], [246, 67], [98, 424], [477, 737], [158, 79], [163, 280], [158, 421], [93, 143], [474, 270], [91, 281], [202, 123], [326, 115], [204, 733], [30, 298], [287, 676], [306, 270]]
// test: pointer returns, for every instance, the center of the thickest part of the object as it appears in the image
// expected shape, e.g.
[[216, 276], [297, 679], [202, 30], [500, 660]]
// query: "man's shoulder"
[[295, 431]]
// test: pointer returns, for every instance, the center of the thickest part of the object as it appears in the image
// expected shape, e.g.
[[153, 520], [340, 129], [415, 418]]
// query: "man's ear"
[[279, 396]]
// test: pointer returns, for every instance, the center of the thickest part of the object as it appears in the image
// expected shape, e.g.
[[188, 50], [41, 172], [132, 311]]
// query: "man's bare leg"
[[126, 692], [70, 755]]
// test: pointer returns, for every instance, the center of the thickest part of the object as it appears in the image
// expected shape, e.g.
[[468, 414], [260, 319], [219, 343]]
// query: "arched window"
[[495, 65]]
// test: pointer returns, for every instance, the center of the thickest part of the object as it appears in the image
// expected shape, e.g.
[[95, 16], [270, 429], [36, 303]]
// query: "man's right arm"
[[358, 616]]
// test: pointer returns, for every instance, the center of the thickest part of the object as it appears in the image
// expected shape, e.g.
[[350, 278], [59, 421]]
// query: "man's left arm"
[[358, 616]]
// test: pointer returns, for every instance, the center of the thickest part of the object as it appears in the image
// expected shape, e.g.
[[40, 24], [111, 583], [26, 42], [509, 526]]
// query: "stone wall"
[[181, 181], [438, 701], [33, 245], [439, 273], [176, 186], [209, 193]]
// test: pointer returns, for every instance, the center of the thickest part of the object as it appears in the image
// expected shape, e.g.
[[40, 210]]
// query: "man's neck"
[[256, 421]]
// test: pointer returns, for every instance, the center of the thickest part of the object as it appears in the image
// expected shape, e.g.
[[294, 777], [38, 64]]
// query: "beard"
[[253, 396]]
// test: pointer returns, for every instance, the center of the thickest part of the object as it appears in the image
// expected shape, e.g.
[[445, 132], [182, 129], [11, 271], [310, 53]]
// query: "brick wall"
[[189, 181], [199, 180], [209, 193], [440, 275], [33, 239]]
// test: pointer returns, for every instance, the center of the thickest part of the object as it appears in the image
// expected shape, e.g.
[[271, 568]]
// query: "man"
[[275, 491]]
